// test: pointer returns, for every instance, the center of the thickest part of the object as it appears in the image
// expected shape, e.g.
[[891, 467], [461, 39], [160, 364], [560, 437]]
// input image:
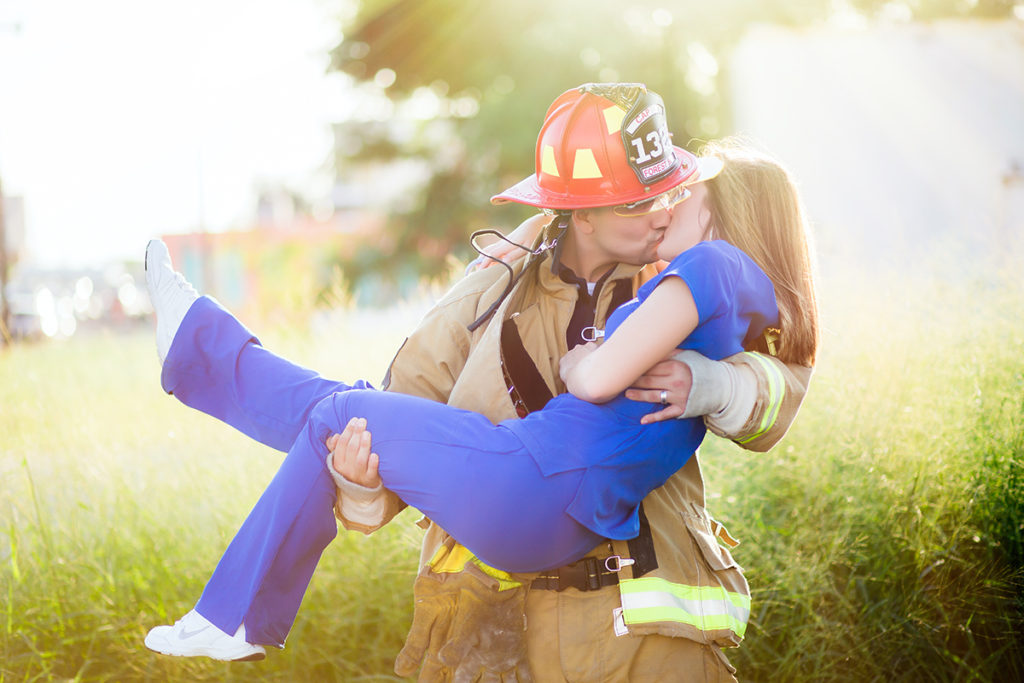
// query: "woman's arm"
[[648, 335]]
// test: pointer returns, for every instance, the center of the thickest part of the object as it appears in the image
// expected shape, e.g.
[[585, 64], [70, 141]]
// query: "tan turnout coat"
[[697, 591]]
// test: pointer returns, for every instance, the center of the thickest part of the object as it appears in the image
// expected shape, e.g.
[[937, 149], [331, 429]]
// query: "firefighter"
[[659, 607]]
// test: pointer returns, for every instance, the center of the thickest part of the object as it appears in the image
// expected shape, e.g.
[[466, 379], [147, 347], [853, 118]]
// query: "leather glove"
[[487, 641], [467, 627]]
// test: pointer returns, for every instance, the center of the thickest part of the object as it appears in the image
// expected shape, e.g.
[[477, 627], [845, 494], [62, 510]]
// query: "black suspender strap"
[[527, 387], [641, 548]]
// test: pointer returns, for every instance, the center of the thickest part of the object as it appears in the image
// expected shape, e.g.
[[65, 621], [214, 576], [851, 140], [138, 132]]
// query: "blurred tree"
[[493, 67]]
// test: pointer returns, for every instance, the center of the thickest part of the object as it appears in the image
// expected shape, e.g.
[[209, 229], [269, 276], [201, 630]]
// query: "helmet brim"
[[529, 192], [707, 168]]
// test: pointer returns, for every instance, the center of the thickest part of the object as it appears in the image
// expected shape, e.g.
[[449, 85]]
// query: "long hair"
[[756, 206]]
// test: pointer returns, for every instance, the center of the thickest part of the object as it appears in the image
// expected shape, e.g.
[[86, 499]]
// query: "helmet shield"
[[647, 140]]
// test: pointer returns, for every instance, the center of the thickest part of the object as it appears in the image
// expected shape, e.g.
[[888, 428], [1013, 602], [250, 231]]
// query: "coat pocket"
[[706, 534]]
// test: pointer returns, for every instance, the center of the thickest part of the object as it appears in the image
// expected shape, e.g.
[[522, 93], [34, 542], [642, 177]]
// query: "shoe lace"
[[183, 284]]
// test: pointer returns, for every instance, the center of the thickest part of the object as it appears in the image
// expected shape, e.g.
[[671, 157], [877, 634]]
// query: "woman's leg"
[[474, 479], [211, 362], [218, 367], [264, 573]]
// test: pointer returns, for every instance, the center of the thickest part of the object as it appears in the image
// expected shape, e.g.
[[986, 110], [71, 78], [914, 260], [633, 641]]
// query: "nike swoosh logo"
[[188, 634]]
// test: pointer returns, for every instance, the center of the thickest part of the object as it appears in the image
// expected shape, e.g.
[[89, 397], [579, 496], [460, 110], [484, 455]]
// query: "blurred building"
[[14, 226], [12, 241], [278, 267]]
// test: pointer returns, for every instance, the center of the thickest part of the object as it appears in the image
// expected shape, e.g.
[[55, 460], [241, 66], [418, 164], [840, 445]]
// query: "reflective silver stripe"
[[708, 608]]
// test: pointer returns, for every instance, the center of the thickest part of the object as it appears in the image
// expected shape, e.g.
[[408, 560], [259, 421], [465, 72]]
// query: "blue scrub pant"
[[475, 479]]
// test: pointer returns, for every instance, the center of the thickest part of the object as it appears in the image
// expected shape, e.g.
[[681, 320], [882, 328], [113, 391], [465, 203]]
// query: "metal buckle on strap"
[[619, 562], [591, 333]]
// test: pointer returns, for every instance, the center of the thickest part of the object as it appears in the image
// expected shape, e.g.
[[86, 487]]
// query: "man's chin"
[[641, 259]]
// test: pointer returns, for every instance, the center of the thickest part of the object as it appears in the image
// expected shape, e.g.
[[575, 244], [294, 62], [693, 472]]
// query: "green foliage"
[[510, 60], [883, 535], [116, 501]]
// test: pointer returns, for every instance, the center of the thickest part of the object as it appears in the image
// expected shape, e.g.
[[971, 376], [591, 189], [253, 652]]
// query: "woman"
[[473, 477]]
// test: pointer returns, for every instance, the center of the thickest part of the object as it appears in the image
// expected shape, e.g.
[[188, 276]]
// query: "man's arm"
[[760, 412], [750, 398], [427, 365], [468, 621]]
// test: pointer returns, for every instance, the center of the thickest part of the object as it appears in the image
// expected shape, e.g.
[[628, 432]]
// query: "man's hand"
[[351, 456], [670, 376], [694, 386]]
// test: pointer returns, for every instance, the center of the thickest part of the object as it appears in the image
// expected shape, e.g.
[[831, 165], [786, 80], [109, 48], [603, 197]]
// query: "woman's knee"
[[331, 414]]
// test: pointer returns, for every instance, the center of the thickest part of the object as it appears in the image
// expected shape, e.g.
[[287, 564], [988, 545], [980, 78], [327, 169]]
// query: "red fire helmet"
[[604, 144]]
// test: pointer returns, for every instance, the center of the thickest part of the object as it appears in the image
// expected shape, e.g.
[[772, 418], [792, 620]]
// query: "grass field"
[[882, 537]]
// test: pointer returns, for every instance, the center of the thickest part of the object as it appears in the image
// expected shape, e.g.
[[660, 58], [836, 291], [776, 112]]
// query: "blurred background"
[[294, 153]]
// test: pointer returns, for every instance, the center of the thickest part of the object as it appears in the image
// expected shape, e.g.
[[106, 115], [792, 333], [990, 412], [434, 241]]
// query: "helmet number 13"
[[658, 138]]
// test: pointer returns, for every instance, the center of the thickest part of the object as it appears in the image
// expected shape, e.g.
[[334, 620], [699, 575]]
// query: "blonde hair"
[[755, 206]]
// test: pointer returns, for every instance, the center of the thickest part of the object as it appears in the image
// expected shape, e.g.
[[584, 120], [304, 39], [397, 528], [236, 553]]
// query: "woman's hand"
[[351, 456], [572, 359]]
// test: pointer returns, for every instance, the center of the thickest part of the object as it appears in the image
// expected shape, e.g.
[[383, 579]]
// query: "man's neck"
[[582, 259]]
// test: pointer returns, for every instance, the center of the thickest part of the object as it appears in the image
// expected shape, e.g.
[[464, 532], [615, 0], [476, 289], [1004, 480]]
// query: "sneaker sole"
[[254, 657]]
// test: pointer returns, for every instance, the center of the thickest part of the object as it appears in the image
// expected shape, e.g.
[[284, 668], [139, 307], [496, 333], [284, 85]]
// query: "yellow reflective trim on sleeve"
[[708, 608], [776, 392]]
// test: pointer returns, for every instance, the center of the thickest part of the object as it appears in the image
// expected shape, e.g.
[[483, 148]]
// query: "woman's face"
[[690, 224]]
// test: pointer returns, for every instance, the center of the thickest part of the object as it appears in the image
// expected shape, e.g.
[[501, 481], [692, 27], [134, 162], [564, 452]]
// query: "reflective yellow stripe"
[[505, 581], [453, 561], [776, 392], [708, 608], [450, 560]]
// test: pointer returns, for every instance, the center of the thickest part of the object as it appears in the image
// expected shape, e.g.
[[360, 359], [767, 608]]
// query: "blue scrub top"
[[624, 460]]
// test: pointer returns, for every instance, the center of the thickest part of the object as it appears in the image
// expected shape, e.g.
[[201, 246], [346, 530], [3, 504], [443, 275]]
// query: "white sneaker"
[[194, 636], [170, 293]]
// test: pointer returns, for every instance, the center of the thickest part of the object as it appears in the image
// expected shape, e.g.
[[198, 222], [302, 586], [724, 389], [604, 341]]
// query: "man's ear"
[[582, 219]]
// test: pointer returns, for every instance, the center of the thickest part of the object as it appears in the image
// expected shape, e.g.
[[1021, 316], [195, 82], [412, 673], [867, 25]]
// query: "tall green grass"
[[116, 502], [882, 537]]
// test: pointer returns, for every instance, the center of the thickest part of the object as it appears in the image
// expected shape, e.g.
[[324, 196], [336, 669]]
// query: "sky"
[[905, 139], [121, 120]]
